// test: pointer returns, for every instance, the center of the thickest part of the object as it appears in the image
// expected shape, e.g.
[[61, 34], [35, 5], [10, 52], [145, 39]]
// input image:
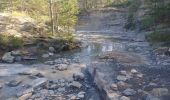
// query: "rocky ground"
[[116, 65]]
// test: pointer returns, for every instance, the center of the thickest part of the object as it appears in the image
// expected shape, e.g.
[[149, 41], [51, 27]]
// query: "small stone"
[[16, 53], [78, 76], [49, 63], [25, 96], [152, 84], [51, 54], [45, 55], [51, 49], [40, 75], [73, 97], [24, 73], [140, 75], [114, 87], [62, 67], [14, 83], [121, 78], [61, 89], [124, 98], [123, 72], [30, 90], [134, 71], [7, 57], [160, 92], [122, 85], [129, 92], [38, 82], [76, 84], [150, 97], [81, 95]]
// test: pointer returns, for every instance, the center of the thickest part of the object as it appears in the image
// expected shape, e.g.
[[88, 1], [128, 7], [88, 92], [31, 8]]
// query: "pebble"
[[14, 83], [134, 71], [121, 78], [129, 92], [124, 98], [61, 89], [76, 84], [114, 87], [78, 76], [81, 95], [62, 67]]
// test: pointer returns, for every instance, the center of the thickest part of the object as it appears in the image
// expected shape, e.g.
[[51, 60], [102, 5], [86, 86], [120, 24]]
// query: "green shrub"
[[159, 37], [133, 8], [11, 41]]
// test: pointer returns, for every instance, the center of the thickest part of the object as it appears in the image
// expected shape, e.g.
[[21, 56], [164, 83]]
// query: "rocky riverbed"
[[115, 65]]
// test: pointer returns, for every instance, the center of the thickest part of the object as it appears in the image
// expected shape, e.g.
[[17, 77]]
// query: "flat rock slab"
[[38, 82], [124, 58]]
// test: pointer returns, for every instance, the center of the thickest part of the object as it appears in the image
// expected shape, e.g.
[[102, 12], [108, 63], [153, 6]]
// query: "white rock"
[[124, 98], [123, 72], [38, 82], [81, 95], [134, 71]]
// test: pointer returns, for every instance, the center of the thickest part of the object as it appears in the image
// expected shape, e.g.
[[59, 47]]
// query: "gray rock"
[[16, 53], [123, 72], [61, 89], [40, 75], [7, 57], [129, 92], [25, 96], [38, 82], [73, 97], [26, 91], [114, 87], [62, 67], [150, 97], [139, 75], [121, 78], [158, 92], [45, 55], [76, 84], [51, 49], [124, 98], [49, 63], [14, 83], [78, 76]]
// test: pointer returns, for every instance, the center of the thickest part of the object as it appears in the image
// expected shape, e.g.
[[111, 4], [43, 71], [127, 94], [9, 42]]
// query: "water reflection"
[[105, 47]]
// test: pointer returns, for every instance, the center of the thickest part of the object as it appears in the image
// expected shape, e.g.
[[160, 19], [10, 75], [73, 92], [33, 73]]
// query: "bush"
[[159, 37], [133, 8], [11, 41]]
